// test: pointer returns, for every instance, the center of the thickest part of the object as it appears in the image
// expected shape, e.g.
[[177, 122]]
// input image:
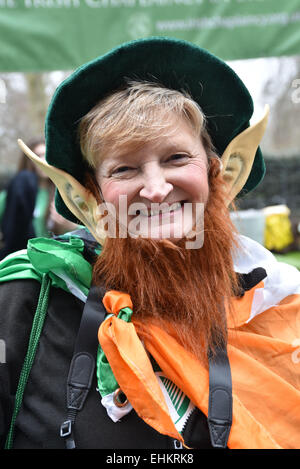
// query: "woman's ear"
[[79, 200], [239, 156]]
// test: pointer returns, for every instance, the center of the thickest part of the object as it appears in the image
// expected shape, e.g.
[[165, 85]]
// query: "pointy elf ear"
[[238, 158], [79, 201]]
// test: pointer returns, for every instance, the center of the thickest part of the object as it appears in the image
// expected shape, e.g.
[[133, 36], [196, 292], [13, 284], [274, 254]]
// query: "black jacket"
[[44, 405], [16, 225]]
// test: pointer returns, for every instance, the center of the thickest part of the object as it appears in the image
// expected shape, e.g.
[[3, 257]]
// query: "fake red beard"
[[182, 289]]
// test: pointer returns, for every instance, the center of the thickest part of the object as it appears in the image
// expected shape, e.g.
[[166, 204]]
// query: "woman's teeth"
[[162, 209]]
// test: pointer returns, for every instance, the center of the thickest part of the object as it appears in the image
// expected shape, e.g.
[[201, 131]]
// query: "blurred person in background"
[[28, 207]]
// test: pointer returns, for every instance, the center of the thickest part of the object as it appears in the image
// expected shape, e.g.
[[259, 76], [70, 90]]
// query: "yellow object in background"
[[278, 228]]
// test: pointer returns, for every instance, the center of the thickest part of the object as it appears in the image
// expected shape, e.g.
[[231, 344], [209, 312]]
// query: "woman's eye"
[[178, 157], [122, 169]]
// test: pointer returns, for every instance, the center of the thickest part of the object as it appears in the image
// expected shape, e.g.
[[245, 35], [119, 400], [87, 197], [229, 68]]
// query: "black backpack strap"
[[220, 398], [83, 361]]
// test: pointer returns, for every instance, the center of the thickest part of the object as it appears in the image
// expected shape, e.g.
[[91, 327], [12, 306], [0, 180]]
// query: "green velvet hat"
[[176, 64]]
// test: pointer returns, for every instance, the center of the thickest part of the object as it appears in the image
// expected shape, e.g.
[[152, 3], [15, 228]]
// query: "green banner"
[[41, 35]]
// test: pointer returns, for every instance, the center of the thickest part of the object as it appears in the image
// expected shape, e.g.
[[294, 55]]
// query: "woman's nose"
[[155, 185]]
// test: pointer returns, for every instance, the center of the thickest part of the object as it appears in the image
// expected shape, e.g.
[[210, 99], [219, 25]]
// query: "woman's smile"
[[162, 182]]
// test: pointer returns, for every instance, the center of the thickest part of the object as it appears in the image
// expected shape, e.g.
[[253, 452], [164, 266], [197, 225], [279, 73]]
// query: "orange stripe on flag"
[[134, 374], [266, 396]]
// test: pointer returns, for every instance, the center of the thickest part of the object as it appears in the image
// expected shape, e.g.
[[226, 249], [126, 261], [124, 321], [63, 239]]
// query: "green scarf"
[[62, 260]]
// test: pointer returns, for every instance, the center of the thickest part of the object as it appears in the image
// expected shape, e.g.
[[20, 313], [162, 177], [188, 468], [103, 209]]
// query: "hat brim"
[[176, 64]]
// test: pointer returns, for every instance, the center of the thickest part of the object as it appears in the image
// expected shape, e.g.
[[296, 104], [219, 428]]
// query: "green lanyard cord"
[[37, 326]]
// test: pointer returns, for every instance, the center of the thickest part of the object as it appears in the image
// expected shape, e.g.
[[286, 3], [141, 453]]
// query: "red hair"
[[184, 289]]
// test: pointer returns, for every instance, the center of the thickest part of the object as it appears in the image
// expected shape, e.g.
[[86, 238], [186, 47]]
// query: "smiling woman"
[[188, 336], [150, 145]]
